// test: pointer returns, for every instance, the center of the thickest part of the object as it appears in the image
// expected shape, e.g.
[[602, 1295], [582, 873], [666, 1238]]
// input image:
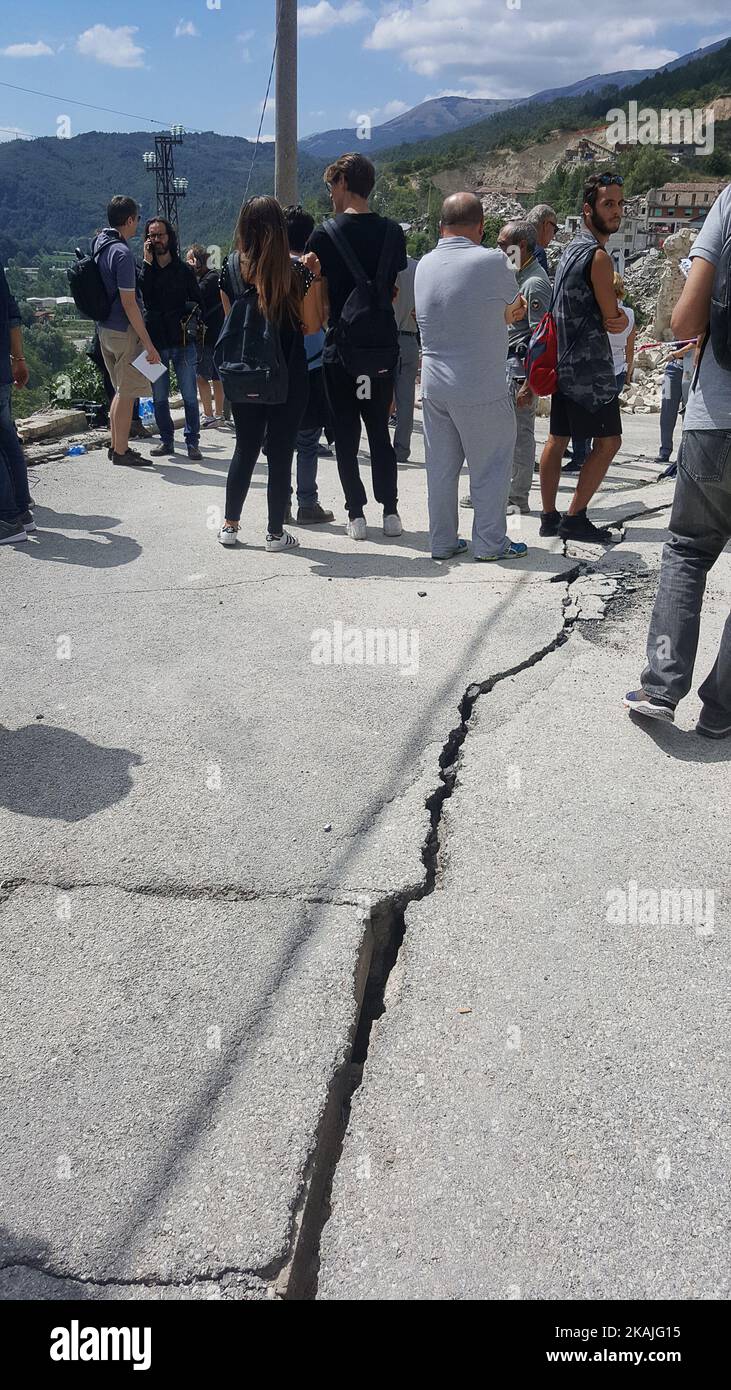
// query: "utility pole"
[[160, 162], [285, 108]]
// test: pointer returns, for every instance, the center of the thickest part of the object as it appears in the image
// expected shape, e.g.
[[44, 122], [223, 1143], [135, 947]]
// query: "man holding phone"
[[174, 308]]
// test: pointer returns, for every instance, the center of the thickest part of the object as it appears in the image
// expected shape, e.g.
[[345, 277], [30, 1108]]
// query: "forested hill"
[[54, 192], [692, 85]]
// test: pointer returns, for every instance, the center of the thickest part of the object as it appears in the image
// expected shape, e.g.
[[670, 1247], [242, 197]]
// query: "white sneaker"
[[357, 529], [392, 525], [207, 421], [283, 542], [228, 535]]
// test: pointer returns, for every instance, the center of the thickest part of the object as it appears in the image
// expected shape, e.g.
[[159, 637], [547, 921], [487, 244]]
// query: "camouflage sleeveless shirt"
[[585, 365]]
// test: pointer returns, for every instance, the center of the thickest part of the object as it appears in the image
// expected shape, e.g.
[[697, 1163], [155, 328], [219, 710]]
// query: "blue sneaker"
[[642, 703], [516, 552], [459, 549]]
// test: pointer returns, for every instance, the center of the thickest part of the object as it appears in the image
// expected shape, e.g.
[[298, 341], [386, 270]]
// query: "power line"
[[69, 101], [261, 119]]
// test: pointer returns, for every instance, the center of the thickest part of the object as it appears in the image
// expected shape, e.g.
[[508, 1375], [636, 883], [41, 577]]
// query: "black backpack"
[[87, 287], [366, 336], [720, 324], [248, 352]]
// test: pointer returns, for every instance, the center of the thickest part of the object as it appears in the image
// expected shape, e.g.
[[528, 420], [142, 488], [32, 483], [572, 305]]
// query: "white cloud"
[[13, 133], [115, 47], [394, 108], [185, 29], [321, 18], [27, 50], [245, 39], [487, 49]]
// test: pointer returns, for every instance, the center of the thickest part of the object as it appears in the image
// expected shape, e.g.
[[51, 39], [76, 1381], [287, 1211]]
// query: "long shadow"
[[199, 1113], [51, 773], [685, 745]]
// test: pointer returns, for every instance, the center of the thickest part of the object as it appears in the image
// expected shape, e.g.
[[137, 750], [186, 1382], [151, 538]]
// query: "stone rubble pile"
[[500, 205], [642, 279]]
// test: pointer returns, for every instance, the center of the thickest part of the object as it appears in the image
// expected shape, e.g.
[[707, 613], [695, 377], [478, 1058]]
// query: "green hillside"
[[54, 192]]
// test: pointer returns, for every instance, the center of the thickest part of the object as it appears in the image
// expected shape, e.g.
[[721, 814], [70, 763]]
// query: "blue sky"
[[204, 63]]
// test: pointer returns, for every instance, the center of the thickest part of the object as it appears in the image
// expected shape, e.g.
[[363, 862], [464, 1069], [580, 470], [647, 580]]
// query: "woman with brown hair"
[[288, 296]]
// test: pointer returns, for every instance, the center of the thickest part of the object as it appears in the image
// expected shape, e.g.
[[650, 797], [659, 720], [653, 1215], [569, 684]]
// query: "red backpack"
[[542, 360]]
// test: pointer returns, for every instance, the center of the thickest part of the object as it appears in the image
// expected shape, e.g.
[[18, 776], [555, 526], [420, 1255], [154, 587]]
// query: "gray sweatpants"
[[524, 457], [484, 435], [404, 390]]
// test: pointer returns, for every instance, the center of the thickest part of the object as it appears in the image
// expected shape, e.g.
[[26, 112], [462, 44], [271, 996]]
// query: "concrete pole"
[[285, 97]]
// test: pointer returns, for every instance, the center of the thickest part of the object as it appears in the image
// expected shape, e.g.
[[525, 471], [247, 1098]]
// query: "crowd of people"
[[310, 330]]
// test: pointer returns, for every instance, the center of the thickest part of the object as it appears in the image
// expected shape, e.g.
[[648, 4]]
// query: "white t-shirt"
[[618, 341]]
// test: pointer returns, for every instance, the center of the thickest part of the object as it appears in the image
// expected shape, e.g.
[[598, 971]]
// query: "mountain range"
[[442, 115], [53, 192]]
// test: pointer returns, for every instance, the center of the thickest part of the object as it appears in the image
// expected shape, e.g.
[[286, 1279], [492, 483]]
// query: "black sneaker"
[[580, 528], [28, 521], [572, 466], [550, 522], [324, 452], [130, 459], [314, 514], [11, 532], [708, 731], [642, 703], [194, 453], [163, 451]]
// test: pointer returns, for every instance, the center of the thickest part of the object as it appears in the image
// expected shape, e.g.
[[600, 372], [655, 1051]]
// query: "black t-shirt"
[[291, 335], [212, 306], [169, 293], [365, 232]]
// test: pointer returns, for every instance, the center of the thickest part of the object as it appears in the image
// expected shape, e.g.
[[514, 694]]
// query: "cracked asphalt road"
[[185, 938]]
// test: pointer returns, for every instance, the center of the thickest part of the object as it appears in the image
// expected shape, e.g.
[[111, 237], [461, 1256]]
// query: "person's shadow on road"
[[684, 744], [102, 548], [54, 774]]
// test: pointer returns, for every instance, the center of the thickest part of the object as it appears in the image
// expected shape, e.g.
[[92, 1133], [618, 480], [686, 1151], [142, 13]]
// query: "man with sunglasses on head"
[[586, 404]]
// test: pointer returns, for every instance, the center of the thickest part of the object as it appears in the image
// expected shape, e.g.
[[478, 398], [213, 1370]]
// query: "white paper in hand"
[[152, 370]]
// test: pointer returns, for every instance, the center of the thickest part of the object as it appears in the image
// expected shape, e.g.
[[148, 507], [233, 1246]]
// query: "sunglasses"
[[606, 179]]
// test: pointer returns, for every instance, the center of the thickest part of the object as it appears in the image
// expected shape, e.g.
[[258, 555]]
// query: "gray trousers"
[[404, 389], [524, 457], [484, 435], [700, 527]]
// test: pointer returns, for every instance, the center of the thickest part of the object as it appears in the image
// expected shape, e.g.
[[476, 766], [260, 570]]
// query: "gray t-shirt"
[[461, 292], [403, 305], [709, 406], [535, 287], [119, 272]]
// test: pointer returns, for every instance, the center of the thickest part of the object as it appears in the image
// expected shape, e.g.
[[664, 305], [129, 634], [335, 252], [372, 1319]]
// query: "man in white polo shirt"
[[465, 297]]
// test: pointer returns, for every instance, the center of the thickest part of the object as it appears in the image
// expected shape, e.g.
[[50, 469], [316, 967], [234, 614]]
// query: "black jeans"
[[281, 423], [344, 394], [700, 526]]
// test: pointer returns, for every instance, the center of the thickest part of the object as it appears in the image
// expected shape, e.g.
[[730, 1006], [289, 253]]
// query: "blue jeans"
[[184, 360], [672, 395], [14, 494], [700, 526], [306, 446]]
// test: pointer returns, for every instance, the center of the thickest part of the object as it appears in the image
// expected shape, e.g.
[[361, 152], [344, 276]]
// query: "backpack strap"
[[340, 241], [233, 263]]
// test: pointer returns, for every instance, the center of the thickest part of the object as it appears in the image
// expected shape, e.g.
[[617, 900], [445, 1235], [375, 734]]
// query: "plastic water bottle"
[[146, 408], [75, 450]]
